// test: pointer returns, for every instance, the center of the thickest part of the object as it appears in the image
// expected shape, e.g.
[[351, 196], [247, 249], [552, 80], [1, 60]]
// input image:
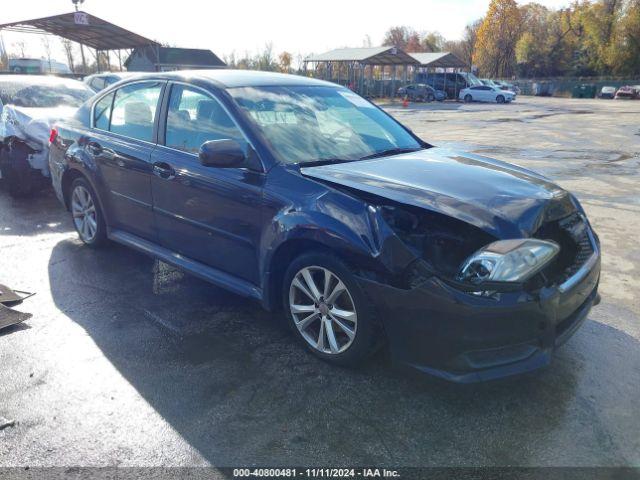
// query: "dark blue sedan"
[[310, 199]]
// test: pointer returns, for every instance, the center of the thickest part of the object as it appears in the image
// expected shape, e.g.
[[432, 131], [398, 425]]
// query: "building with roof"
[[101, 37], [162, 59], [377, 71], [89, 31]]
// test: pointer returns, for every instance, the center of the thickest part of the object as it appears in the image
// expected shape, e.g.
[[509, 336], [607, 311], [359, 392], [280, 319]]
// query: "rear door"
[[123, 137]]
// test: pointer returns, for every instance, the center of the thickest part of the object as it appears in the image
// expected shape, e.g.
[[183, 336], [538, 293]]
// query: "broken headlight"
[[508, 261]]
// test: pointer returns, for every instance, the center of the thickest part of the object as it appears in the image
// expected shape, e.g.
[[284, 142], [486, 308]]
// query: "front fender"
[[351, 228]]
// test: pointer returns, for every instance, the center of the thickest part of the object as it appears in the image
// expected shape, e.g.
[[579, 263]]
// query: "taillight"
[[53, 135]]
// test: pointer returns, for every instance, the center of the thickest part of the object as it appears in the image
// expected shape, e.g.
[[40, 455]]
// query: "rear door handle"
[[94, 148], [163, 170]]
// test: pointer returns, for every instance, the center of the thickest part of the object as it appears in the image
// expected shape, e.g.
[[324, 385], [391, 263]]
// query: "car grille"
[[576, 247]]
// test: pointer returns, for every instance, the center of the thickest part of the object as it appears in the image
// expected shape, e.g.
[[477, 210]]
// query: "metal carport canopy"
[[438, 59], [83, 28], [366, 56]]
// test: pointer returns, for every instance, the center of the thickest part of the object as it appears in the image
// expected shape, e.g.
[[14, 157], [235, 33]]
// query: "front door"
[[208, 214], [121, 144]]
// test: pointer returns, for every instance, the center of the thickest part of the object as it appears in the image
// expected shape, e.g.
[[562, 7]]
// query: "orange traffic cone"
[[405, 102]]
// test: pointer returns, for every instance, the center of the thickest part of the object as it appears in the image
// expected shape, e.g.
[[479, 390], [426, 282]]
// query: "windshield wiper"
[[390, 151], [324, 161]]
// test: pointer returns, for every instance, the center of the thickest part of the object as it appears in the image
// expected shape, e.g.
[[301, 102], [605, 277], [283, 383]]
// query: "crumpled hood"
[[504, 200], [32, 123]]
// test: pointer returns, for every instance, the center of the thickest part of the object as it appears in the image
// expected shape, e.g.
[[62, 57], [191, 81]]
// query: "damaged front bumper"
[[465, 337]]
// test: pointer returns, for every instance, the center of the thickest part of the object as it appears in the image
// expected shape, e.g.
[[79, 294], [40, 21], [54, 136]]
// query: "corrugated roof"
[[369, 55], [438, 59], [83, 28], [186, 57], [189, 56]]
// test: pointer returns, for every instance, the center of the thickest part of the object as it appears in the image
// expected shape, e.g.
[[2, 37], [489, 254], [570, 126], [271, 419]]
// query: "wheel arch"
[[68, 177], [280, 260]]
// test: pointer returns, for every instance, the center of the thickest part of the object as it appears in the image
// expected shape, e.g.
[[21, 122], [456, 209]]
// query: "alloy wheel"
[[323, 310], [84, 214]]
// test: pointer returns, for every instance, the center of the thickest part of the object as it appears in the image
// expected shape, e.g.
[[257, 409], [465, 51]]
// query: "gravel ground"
[[127, 362]]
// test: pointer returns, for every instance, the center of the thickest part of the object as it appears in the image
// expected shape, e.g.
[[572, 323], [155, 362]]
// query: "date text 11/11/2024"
[[316, 473]]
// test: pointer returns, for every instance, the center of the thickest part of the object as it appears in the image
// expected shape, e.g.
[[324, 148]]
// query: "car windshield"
[[44, 93], [307, 124]]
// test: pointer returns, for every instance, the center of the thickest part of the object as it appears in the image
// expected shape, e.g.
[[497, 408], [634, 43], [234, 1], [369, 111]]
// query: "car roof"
[[40, 80], [238, 78]]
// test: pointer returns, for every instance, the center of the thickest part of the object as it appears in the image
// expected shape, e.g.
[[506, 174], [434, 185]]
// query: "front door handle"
[[163, 170]]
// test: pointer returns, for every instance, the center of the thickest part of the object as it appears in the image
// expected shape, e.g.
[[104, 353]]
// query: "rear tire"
[[468, 98], [327, 310], [430, 98], [86, 213]]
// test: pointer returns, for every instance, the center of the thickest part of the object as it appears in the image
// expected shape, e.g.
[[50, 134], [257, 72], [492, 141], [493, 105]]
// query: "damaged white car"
[[29, 106]]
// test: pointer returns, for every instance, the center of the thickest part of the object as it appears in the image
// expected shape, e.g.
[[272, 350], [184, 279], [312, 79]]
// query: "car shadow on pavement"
[[35, 215], [231, 380]]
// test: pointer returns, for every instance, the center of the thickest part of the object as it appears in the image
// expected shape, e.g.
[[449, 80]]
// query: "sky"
[[245, 26]]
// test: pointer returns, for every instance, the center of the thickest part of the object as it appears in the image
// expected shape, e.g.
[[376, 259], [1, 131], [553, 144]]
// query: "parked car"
[[626, 93], [419, 92], [485, 93], [608, 92], [501, 85], [450, 83], [29, 105], [100, 81], [304, 196], [37, 66]]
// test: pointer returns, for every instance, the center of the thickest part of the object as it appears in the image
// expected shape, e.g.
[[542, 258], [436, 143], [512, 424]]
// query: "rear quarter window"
[[102, 112]]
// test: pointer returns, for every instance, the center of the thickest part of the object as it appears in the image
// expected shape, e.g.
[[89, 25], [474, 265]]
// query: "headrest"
[[210, 110], [137, 113]]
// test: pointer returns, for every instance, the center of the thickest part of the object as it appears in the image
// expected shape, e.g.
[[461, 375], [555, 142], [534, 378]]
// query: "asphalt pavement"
[[129, 362]]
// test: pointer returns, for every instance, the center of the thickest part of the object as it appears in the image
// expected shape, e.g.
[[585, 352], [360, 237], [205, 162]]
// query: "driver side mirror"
[[225, 153]]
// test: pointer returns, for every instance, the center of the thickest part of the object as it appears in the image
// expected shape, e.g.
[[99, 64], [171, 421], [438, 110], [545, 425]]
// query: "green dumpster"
[[585, 90]]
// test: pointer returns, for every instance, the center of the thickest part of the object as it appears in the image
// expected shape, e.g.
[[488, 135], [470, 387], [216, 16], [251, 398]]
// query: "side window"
[[102, 112], [134, 110], [194, 118]]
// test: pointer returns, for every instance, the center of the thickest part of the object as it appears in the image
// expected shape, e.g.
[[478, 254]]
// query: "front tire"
[[327, 310], [467, 98], [86, 214], [500, 99]]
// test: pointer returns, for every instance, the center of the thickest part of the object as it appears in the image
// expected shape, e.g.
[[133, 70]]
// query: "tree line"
[[588, 38], [585, 39]]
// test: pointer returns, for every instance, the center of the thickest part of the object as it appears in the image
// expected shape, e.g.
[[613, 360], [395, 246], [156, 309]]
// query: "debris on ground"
[[10, 298], [9, 316], [5, 423]]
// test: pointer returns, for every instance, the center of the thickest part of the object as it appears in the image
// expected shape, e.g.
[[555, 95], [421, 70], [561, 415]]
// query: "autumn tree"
[[284, 62], [264, 60], [495, 49], [432, 42], [397, 37], [68, 47], [21, 48], [625, 54], [46, 45]]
